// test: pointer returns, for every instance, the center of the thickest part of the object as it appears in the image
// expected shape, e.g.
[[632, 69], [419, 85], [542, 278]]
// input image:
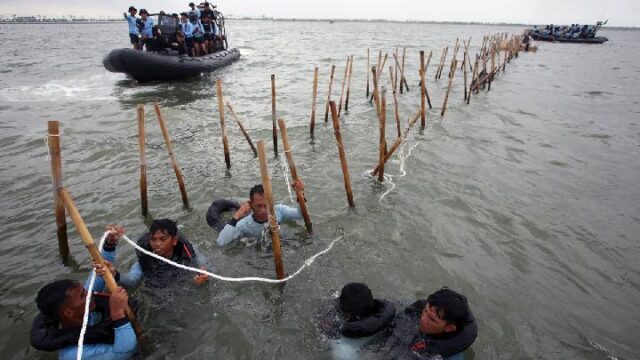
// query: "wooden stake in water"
[[402, 78], [341, 152], [87, 239], [368, 65], [379, 71], [394, 81], [294, 175], [473, 79], [446, 96], [455, 55], [326, 110], [273, 223], [426, 90], [273, 114], [375, 95], [397, 143], [53, 139], [464, 61], [395, 70], [346, 103], [172, 156], [244, 131], [225, 143], [144, 203], [344, 83], [382, 140], [423, 112], [312, 125]]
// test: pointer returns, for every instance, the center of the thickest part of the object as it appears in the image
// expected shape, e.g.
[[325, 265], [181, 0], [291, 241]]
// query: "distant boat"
[[585, 34], [331, 21]]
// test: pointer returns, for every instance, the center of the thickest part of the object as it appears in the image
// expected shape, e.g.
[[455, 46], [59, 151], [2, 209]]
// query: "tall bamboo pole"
[[375, 95], [455, 55], [346, 103], [95, 252], [379, 71], [464, 61], [326, 110], [423, 112], [273, 114], [344, 83], [368, 67], [426, 90], [395, 101], [172, 156], [446, 95], [144, 203], [473, 78], [53, 138], [402, 78], [225, 143], [398, 141], [294, 175], [244, 131], [341, 152], [395, 72], [382, 140], [273, 223], [312, 125]]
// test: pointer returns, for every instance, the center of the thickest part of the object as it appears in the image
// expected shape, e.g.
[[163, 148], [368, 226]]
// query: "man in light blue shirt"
[[251, 219], [194, 9], [147, 28], [187, 31], [133, 27]]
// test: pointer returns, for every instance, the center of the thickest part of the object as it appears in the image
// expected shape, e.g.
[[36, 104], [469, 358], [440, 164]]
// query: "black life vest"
[[160, 274], [46, 335], [333, 324]]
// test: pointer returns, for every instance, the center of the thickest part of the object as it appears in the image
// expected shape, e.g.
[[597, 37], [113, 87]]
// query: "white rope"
[[285, 172], [402, 158], [87, 303]]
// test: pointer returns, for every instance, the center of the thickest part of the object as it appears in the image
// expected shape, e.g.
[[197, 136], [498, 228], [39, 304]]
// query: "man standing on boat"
[[133, 27], [147, 27]]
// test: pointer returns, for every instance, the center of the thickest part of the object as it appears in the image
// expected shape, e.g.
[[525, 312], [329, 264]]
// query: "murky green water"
[[526, 200]]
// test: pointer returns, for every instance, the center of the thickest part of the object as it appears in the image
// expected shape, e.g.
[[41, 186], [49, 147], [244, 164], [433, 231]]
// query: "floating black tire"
[[216, 209]]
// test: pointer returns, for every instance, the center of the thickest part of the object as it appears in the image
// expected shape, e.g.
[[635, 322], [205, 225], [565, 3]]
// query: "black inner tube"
[[216, 209]]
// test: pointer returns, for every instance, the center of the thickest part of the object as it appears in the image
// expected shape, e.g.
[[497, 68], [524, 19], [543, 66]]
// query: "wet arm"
[[285, 213], [133, 277]]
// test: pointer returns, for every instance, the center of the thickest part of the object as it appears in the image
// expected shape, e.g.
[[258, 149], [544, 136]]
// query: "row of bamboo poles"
[[482, 75]]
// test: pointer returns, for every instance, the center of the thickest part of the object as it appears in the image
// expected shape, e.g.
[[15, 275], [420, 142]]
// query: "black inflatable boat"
[[594, 40], [147, 66]]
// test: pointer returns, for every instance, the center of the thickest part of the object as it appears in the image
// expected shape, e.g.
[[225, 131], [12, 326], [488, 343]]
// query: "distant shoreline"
[[109, 21]]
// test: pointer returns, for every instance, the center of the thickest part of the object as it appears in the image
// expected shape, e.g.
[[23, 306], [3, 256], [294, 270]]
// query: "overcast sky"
[[619, 12]]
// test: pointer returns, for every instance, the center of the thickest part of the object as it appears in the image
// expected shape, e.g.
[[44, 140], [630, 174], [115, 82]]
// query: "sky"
[[619, 12]]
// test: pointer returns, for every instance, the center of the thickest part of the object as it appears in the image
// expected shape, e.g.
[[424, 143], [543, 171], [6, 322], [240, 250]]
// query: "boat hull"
[[149, 66], [595, 40]]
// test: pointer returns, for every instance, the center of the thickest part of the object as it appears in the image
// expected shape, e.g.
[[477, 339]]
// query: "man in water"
[[133, 28], [445, 327], [61, 303], [251, 218], [163, 240]]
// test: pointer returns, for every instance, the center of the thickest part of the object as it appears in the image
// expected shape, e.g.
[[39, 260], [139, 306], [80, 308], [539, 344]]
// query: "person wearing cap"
[[354, 320], [109, 334], [194, 10], [187, 32], [147, 28], [198, 35], [441, 325], [134, 34]]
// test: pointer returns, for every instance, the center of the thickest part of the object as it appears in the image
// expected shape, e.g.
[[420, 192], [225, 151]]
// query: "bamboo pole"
[[423, 112], [473, 78], [225, 143], [172, 156], [382, 140], [144, 203], [312, 125], [446, 96], [273, 114], [375, 94], [294, 175], [455, 55], [464, 66], [426, 90], [346, 103], [378, 75], [379, 59], [397, 143], [394, 81], [344, 83], [326, 110], [244, 131], [341, 152], [53, 138], [402, 78], [368, 65], [273, 223], [95, 252], [395, 70]]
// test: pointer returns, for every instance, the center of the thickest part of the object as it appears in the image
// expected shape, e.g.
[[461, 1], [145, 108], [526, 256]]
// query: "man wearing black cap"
[[133, 28], [62, 303], [194, 10]]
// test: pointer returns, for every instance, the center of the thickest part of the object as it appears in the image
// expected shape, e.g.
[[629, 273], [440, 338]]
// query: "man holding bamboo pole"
[[252, 216]]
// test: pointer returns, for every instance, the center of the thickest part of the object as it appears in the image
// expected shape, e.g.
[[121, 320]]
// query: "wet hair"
[[164, 225], [356, 300], [258, 189], [52, 296], [451, 306]]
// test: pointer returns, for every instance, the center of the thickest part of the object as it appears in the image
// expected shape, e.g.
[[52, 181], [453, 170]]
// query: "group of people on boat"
[[441, 325], [575, 31], [195, 32]]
